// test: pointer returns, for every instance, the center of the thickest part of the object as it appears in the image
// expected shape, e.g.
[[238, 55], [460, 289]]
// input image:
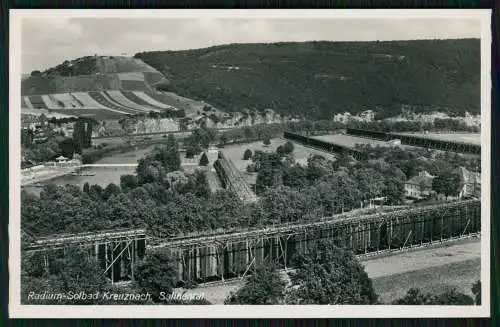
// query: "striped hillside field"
[[67, 100], [134, 85], [91, 102], [99, 97], [168, 100], [146, 98], [123, 100], [114, 102], [27, 103], [37, 102]]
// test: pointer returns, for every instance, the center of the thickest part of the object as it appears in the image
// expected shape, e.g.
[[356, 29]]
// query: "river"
[[100, 175]]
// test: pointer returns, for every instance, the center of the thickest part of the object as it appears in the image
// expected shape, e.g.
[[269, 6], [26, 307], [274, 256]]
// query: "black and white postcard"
[[239, 163]]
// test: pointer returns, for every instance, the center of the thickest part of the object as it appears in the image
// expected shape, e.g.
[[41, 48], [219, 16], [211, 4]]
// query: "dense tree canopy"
[[416, 297], [383, 76], [327, 274], [156, 273], [264, 286]]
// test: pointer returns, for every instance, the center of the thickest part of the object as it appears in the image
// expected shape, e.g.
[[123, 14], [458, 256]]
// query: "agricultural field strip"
[[121, 99], [113, 102], [134, 98], [152, 101], [67, 100], [298, 228], [48, 102], [87, 100], [105, 104], [28, 103]]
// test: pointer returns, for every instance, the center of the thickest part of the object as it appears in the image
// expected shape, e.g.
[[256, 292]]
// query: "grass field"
[[301, 153], [473, 138], [435, 280]]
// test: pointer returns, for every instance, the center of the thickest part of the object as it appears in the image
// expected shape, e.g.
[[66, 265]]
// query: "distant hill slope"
[[93, 74], [323, 78]]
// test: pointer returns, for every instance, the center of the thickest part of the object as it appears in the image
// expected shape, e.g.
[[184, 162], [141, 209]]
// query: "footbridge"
[[233, 253]]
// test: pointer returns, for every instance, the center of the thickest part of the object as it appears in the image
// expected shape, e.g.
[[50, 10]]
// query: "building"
[[367, 115], [394, 142], [61, 159], [419, 186]]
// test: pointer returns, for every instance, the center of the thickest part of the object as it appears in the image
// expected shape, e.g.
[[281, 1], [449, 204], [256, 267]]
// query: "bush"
[[247, 155], [288, 147], [204, 160]]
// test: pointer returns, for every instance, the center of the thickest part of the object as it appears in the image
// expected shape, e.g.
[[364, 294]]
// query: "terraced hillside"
[[100, 104], [323, 78], [93, 74], [103, 88]]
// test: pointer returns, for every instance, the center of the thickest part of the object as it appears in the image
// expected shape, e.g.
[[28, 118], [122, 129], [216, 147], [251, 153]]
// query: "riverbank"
[[46, 175]]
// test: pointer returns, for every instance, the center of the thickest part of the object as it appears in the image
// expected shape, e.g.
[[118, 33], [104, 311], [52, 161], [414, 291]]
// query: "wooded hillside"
[[319, 79]]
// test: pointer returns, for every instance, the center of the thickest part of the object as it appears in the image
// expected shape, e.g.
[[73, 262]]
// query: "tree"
[[26, 138], [370, 183], [269, 170], [476, 290], [79, 134], [247, 155], [449, 183], [327, 274], [414, 296], [128, 182], [156, 273], [68, 147], [110, 190], [280, 150], [264, 286], [76, 271], [86, 188], [191, 151], [171, 141], [452, 297], [36, 73], [201, 186], [288, 147], [204, 160], [267, 141]]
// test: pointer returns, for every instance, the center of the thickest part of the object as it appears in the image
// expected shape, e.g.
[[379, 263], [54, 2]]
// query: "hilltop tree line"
[[323, 78]]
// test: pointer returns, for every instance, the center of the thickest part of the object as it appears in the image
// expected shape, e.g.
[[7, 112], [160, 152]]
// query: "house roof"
[[61, 158], [423, 178]]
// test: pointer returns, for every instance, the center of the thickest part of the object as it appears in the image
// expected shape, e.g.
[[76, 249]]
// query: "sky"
[[48, 41]]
